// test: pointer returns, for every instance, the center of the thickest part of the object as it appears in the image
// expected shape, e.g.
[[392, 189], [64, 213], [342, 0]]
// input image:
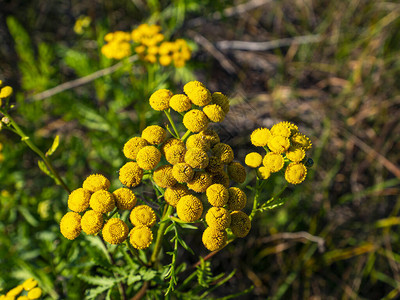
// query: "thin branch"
[[301, 235], [81, 81]]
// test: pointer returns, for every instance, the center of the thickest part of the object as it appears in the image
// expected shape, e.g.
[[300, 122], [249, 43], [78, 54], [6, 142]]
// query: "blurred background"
[[331, 67]]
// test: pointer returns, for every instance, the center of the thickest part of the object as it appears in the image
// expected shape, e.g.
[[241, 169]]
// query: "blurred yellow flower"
[[82, 23]]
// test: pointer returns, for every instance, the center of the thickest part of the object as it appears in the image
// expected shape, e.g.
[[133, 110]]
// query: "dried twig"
[[301, 235], [81, 81]]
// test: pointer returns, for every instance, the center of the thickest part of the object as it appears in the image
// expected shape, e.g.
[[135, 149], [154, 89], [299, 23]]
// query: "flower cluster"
[[82, 23], [150, 45], [286, 150], [5, 92], [25, 291]]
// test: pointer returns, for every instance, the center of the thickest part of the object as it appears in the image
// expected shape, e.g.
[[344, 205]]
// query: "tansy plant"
[[197, 186], [26, 291]]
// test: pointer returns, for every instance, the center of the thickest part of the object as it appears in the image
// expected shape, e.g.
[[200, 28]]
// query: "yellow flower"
[[163, 177], [6, 92], [295, 153], [260, 137], [214, 165], [154, 134], [148, 157], [221, 100], [236, 172], [29, 284], [180, 102], [24, 297], [196, 158], [281, 129], [78, 200], [115, 231], [273, 161], [182, 172], [15, 291], [293, 128], [159, 100], [96, 182], [218, 218], [173, 194], [263, 172], [189, 208], [214, 239], [198, 141], [169, 143], [197, 93], [253, 160], [102, 201], [70, 225], [278, 144], [175, 154], [133, 146], [35, 293], [92, 222], [200, 182], [195, 120], [211, 136], [143, 215], [240, 224], [81, 23], [124, 198], [237, 199], [221, 178], [214, 112], [217, 195], [130, 174], [223, 152], [141, 237], [295, 173], [301, 140], [181, 53], [118, 45], [165, 60]]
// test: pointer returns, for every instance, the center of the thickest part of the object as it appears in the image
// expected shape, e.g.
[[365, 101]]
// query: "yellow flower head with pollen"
[[221, 100], [173, 194], [96, 182], [278, 144], [70, 225], [211, 136], [29, 284], [260, 137], [196, 158], [221, 178], [295, 173], [253, 159], [189, 208], [236, 172], [223, 152], [293, 128], [141, 237], [237, 199], [6, 92], [35, 293], [240, 224], [163, 177], [214, 165], [301, 140], [263, 172], [214, 239], [125, 199], [180, 103], [92, 222], [195, 120], [281, 129], [154, 134], [217, 195], [115, 231], [295, 154], [143, 215], [197, 93], [175, 154], [148, 157], [131, 174], [102, 201], [214, 112], [183, 172], [78, 200], [198, 141], [159, 100], [133, 146], [182, 53], [169, 143], [218, 218], [200, 182], [273, 161]]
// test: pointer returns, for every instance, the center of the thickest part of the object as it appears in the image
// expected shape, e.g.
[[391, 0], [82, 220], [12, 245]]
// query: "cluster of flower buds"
[[25, 291]]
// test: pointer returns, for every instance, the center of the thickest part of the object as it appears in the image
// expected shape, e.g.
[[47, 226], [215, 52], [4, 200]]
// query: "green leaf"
[[147, 274], [95, 292], [53, 147], [184, 245], [97, 280], [28, 216], [134, 278], [45, 170]]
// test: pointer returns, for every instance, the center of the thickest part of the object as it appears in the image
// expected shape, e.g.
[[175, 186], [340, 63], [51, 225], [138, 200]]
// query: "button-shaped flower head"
[[217, 195], [163, 177], [96, 182], [237, 199], [35, 293], [221, 178], [218, 218], [125, 199], [115, 231], [175, 154], [143, 215], [200, 182], [223, 152], [141, 237], [78, 200], [236, 172], [131, 174], [214, 112], [295, 154], [196, 158], [102, 201], [273, 161], [29, 284], [159, 100], [169, 143], [173, 194], [70, 225], [180, 103], [197, 93], [154, 134], [278, 144], [133, 146], [260, 137], [214, 239], [211, 136], [183, 172], [263, 172], [189, 208], [295, 173], [253, 159], [195, 120], [240, 224], [148, 157], [92, 222], [221, 100], [198, 141], [281, 129], [301, 140], [214, 165]]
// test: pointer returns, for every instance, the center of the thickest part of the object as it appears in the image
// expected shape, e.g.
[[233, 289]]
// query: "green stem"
[[186, 135], [35, 149], [160, 234], [172, 123], [256, 197]]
